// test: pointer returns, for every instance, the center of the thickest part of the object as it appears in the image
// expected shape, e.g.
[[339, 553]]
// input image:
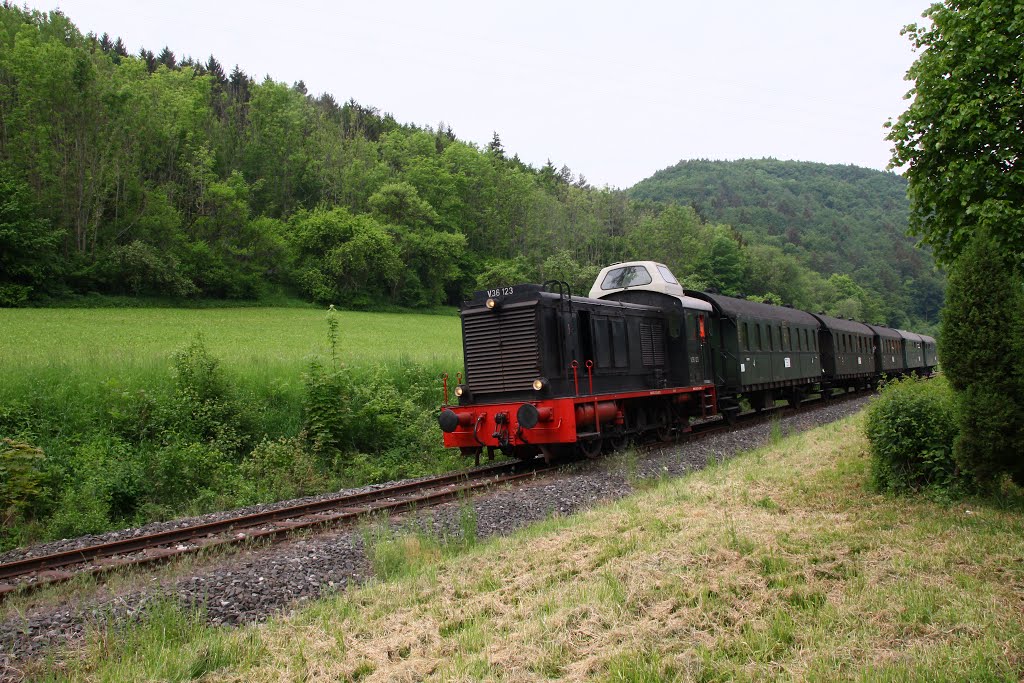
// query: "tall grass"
[[102, 393]]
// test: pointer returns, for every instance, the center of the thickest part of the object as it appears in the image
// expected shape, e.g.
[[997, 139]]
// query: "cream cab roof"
[[648, 276]]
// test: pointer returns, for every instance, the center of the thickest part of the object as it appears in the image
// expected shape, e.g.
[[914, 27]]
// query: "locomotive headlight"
[[460, 390], [490, 303], [539, 384]]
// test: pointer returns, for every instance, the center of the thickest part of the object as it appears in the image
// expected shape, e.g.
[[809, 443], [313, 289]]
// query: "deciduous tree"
[[961, 139]]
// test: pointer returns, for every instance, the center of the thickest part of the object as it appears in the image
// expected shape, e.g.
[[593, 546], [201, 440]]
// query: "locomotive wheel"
[[619, 442], [590, 448]]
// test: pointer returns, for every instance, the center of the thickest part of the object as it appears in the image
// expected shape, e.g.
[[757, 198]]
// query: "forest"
[[152, 176]]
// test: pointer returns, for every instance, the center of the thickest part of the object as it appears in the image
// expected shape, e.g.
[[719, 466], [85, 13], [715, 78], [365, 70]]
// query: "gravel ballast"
[[258, 583]]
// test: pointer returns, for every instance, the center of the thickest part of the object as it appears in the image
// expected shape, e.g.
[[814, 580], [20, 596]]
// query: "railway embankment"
[[779, 562]]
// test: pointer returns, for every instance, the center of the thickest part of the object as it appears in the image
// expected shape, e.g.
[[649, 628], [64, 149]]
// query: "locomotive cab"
[[653, 284]]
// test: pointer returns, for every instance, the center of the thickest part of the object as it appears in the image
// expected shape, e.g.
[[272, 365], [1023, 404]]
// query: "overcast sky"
[[614, 90]]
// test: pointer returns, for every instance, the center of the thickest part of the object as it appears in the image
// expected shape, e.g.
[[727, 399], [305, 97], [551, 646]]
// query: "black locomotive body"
[[545, 369]]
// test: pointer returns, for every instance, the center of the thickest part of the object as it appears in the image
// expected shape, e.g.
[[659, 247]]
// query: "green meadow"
[[156, 412], [121, 341]]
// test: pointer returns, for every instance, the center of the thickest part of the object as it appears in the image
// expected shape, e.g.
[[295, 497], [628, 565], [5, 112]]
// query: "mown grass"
[[779, 564]]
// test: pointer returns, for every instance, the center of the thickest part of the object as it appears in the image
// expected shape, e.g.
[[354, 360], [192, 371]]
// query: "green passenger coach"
[[762, 351]]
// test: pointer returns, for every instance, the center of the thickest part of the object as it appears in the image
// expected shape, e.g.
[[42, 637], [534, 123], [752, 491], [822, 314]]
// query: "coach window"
[[757, 334], [744, 338], [789, 339]]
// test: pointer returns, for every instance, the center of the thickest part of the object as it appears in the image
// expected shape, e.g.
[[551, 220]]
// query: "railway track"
[[31, 573], [48, 569]]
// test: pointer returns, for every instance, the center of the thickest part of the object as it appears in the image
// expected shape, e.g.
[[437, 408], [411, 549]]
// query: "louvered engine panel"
[[502, 353], [652, 344]]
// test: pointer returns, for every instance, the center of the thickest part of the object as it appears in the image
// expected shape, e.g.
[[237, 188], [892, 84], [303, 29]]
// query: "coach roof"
[[736, 308], [842, 325], [885, 332]]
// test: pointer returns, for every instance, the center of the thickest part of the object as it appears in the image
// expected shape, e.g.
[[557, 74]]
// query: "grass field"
[[779, 564], [97, 390], [102, 341]]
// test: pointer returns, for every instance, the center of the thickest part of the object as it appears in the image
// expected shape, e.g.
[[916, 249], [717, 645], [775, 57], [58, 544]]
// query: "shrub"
[[204, 405], [20, 478], [280, 469], [181, 472], [911, 427], [327, 410], [103, 483]]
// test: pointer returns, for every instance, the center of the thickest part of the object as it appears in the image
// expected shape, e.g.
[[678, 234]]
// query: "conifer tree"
[[216, 71], [980, 352], [239, 85], [105, 43], [149, 58], [119, 49], [166, 57], [495, 147]]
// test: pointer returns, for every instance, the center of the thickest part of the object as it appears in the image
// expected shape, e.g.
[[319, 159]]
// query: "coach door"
[[697, 347]]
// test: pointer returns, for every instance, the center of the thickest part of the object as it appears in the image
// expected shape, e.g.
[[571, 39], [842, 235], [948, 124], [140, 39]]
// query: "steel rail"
[[205, 534]]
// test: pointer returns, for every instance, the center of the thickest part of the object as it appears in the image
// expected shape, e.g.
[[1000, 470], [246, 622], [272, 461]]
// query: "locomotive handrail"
[[562, 341], [476, 428], [561, 292]]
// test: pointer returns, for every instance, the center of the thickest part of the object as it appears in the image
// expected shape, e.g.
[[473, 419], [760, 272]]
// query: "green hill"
[[832, 218]]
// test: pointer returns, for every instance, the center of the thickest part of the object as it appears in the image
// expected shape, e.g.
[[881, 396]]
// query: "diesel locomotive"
[[549, 373]]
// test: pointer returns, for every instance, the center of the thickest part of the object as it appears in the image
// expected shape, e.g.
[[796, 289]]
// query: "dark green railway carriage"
[[913, 351], [931, 352], [888, 350], [761, 352], [847, 353]]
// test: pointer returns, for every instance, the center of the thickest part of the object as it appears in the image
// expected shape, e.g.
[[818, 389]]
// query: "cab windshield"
[[626, 276], [667, 274]]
